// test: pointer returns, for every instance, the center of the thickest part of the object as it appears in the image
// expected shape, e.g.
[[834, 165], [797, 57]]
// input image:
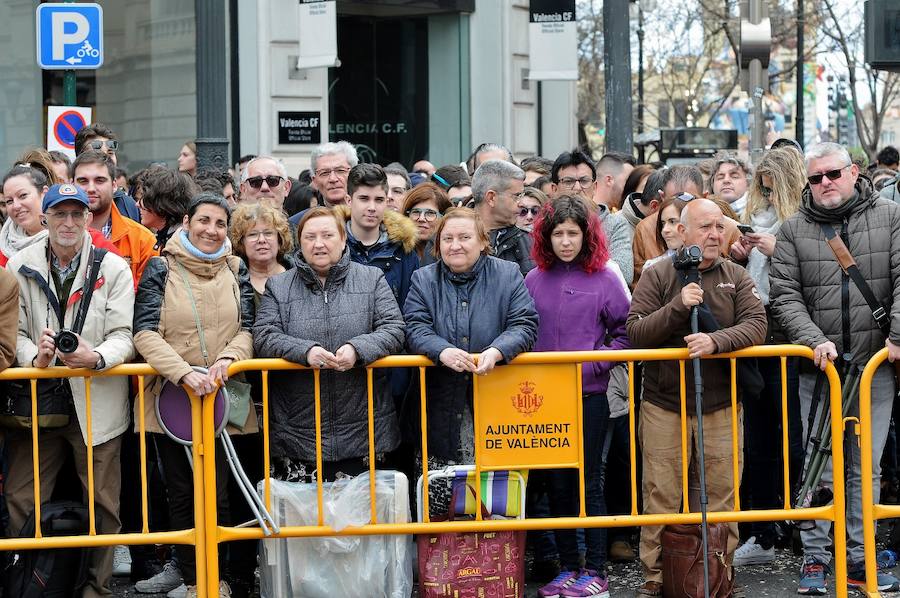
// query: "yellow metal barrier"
[[216, 534], [870, 510], [195, 536], [207, 534]]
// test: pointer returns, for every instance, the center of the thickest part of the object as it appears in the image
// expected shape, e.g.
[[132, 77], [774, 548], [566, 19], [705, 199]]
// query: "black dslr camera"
[[66, 341], [688, 257], [687, 260]]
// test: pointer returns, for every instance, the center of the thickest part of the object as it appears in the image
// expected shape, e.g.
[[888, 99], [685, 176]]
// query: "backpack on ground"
[[50, 573]]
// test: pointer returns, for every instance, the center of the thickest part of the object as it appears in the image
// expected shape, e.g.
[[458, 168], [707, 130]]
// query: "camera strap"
[[97, 255]]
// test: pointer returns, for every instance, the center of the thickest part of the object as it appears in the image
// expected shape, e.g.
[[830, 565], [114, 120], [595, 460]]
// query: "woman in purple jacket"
[[582, 306]]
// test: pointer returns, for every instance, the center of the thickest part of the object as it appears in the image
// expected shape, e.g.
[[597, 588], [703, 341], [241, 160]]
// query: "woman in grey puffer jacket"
[[335, 315]]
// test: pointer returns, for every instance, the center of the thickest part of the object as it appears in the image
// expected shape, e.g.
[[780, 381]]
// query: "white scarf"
[[13, 239], [757, 262]]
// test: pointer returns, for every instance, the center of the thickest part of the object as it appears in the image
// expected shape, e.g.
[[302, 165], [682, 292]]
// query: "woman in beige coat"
[[196, 267]]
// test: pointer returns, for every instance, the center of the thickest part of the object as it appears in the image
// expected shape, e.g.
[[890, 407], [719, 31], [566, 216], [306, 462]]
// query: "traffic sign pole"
[[69, 90]]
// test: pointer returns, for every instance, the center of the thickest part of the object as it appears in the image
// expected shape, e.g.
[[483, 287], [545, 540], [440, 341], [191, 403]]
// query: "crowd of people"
[[470, 265]]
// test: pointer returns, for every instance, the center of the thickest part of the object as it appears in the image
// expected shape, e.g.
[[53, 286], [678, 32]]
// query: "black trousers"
[[179, 478]]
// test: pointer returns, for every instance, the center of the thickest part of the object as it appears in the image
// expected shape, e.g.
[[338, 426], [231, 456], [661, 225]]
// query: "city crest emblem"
[[527, 401]]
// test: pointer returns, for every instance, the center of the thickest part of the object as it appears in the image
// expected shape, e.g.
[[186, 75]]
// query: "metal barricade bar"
[[193, 536], [834, 512]]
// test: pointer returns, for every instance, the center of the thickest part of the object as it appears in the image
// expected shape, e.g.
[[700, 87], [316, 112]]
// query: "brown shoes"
[[650, 588]]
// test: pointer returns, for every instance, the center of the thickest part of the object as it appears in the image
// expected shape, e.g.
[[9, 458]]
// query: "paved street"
[[777, 580]]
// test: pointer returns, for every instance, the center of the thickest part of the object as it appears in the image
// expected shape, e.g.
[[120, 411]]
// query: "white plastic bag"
[[376, 566]]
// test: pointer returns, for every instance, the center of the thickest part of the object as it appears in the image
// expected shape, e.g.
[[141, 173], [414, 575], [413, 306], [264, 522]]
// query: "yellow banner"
[[528, 414]]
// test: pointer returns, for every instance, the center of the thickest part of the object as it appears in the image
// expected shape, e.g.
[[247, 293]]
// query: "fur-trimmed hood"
[[398, 227]]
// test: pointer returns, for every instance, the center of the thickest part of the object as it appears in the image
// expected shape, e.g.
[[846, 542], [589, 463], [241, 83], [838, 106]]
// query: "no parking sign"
[[63, 123]]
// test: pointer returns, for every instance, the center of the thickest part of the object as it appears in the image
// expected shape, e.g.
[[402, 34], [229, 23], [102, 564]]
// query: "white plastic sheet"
[[372, 566]]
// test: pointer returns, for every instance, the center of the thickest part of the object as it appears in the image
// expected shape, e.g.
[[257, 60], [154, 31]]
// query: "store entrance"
[[378, 97]]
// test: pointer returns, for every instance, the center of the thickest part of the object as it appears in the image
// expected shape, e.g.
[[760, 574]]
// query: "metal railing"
[[871, 511], [207, 534], [194, 536]]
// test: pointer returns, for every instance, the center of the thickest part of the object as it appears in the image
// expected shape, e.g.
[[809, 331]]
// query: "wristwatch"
[[101, 363]]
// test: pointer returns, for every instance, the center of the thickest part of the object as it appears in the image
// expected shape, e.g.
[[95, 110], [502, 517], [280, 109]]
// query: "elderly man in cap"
[[56, 277]]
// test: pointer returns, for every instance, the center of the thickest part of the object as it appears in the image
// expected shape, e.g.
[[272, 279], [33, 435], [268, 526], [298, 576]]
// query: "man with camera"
[[75, 309], [821, 305], [731, 317]]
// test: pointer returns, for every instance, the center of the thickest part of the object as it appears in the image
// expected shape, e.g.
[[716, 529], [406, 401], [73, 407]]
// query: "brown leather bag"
[[682, 562]]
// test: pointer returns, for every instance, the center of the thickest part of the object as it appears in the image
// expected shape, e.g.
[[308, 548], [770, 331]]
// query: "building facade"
[[417, 79]]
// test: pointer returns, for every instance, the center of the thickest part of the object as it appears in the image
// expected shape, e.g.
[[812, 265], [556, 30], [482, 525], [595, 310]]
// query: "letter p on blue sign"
[[69, 36]]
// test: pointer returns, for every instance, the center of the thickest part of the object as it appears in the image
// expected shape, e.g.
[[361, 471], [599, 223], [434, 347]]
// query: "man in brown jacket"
[[660, 317]]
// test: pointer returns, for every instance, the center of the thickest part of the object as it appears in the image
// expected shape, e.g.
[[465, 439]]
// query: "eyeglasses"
[[428, 214], [75, 215], [271, 180], [833, 175], [97, 144], [533, 210], [255, 235], [570, 182], [517, 196], [326, 173]]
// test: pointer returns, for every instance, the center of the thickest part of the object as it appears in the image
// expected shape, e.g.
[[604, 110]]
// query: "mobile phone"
[[745, 229]]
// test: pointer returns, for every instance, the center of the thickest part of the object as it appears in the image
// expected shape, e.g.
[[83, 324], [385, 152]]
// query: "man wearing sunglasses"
[[100, 138], [265, 179], [819, 305]]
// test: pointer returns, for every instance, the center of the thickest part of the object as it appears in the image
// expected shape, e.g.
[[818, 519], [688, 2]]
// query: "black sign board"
[[882, 49], [299, 128], [551, 11]]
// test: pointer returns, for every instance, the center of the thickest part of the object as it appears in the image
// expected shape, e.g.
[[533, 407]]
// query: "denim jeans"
[[563, 491], [816, 542]]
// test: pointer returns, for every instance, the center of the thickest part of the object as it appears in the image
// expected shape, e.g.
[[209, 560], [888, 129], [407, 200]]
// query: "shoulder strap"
[[848, 265], [42, 284], [183, 274], [97, 255]]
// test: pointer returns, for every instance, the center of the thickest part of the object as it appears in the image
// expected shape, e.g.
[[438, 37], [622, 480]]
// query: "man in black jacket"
[[497, 187]]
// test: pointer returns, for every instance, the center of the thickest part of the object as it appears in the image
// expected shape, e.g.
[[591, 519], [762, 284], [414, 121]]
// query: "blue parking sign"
[[69, 36]]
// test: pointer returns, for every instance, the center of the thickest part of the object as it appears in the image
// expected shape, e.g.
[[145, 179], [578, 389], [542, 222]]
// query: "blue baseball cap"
[[64, 192]]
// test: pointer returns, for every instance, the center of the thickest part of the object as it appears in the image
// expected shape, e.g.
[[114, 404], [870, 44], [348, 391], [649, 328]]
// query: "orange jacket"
[[134, 242]]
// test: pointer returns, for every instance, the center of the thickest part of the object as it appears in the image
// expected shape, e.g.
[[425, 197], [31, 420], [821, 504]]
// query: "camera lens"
[[66, 341]]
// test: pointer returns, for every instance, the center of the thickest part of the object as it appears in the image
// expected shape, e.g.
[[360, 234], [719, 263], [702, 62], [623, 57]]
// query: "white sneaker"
[[167, 580], [121, 561], [183, 591], [751, 553], [191, 591]]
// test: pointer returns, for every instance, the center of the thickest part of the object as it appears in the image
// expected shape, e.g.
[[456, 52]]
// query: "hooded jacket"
[[813, 299], [107, 328], [580, 312], [297, 313], [394, 253], [165, 331], [488, 306]]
